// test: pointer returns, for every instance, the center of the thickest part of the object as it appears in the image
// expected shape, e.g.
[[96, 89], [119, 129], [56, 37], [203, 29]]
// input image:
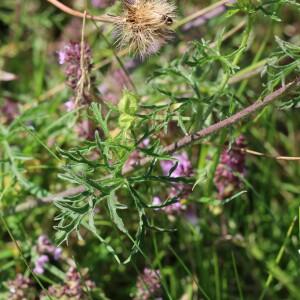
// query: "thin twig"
[[276, 157], [184, 142], [255, 153], [75, 13]]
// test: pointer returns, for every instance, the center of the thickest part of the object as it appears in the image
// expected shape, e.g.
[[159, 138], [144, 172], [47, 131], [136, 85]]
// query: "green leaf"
[[111, 202]]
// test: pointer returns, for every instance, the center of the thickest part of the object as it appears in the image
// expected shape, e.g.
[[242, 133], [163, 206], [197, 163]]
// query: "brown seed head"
[[145, 25]]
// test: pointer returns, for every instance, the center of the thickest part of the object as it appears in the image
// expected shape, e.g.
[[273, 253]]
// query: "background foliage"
[[196, 80]]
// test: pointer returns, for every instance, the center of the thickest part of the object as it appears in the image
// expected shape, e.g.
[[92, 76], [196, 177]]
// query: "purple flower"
[[70, 57], [181, 190], [40, 263], [57, 253], [230, 169], [62, 56], [44, 246], [183, 169], [74, 287], [148, 285], [107, 94], [21, 288]]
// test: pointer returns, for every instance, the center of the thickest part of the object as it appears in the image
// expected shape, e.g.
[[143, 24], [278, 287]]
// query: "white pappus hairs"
[[145, 25]]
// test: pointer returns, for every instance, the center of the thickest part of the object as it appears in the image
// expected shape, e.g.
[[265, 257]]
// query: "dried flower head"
[[145, 25]]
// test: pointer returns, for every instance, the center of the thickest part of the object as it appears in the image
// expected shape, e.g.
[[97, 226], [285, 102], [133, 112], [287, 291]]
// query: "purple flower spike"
[[148, 285], [70, 56], [74, 286], [230, 169], [40, 264], [21, 288]]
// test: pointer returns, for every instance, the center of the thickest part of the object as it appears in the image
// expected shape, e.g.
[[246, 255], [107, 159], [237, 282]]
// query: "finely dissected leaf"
[[112, 206], [71, 208], [141, 225], [103, 149]]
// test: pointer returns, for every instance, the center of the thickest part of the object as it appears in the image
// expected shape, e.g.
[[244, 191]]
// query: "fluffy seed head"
[[145, 25]]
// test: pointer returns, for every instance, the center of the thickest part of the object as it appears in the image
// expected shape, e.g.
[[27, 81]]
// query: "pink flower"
[[70, 105]]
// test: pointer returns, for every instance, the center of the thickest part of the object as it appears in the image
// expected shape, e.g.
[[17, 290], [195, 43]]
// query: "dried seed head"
[[145, 25]]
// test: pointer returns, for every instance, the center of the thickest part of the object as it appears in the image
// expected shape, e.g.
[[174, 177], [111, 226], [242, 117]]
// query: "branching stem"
[[183, 142]]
